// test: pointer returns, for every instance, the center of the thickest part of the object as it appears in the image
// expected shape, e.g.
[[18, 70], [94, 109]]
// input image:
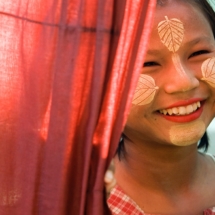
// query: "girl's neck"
[[164, 168], [166, 179]]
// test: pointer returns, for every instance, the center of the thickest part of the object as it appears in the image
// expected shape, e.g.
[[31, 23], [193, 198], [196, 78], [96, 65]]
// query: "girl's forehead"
[[186, 12], [193, 24], [191, 17]]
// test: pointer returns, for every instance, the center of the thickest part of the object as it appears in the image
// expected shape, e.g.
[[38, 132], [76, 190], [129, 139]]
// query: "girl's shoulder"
[[211, 156]]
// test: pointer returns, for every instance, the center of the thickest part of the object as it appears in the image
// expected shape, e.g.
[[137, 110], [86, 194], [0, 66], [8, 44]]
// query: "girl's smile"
[[182, 114], [177, 49]]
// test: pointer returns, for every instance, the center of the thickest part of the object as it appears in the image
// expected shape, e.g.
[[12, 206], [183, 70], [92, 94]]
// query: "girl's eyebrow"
[[195, 41], [203, 39], [153, 52]]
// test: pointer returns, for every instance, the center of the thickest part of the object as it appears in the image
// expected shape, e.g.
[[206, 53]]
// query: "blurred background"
[[212, 2], [211, 128], [211, 134]]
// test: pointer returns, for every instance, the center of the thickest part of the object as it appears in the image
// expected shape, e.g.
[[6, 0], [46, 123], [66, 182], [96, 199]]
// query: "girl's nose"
[[180, 79]]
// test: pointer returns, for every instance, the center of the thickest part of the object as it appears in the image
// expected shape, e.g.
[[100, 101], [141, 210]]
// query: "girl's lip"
[[184, 103], [185, 118]]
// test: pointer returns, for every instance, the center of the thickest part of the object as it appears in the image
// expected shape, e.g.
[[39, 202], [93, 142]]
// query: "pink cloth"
[[121, 204], [68, 69]]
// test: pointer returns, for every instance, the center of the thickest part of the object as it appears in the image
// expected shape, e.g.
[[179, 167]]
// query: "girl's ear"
[[109, 179]]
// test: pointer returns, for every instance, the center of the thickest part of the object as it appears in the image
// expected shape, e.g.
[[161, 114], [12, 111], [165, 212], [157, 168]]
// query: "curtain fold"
[[68, 70]]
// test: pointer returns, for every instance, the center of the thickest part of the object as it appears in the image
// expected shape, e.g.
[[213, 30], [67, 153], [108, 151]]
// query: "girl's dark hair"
[[204, 142], [121, 147], [210, 15], [208, 12]]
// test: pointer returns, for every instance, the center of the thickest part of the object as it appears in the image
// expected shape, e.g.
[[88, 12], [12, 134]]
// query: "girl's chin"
[[187, 133]]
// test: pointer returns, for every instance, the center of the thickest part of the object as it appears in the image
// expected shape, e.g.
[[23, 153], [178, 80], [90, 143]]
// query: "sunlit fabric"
[[68, 70]]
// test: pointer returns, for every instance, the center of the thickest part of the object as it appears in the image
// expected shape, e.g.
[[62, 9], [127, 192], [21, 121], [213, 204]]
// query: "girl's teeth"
[[194, 106], [165, 112], [198, 104], [189, 109], [169, 111], [175, 110], [183, 110]]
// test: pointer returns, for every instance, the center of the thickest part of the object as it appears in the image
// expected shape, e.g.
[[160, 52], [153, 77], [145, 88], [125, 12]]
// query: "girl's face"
[[177, 103]]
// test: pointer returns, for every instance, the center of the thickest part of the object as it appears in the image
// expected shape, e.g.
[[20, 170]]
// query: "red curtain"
[[68, 69]]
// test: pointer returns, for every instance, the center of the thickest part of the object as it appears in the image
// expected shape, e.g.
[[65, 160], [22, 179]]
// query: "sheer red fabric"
[[67, 75]]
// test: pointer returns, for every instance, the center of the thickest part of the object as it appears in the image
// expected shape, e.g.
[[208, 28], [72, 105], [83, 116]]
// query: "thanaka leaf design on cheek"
[[145, 90], [208, 71], [171, 33]]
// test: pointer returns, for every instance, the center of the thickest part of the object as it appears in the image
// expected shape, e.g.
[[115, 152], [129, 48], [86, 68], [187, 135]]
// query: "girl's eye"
[[151, 63], [199, 53]]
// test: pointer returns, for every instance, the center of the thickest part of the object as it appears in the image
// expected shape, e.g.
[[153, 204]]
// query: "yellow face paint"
[[178, 66], [208, 71], [171, 33], [188, 133], [145, 91]]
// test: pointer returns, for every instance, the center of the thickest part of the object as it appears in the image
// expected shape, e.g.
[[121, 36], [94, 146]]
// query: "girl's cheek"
[[208, 71], [145, 90]]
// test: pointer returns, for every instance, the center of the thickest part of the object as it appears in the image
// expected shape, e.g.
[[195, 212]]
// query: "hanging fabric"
[[68, 72]]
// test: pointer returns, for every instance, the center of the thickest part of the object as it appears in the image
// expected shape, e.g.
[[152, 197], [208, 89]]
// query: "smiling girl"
[[158, 168]]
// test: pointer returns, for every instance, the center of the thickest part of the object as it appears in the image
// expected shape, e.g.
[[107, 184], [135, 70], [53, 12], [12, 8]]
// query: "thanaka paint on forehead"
[[171, 33], [208, 71], [145, 90]]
